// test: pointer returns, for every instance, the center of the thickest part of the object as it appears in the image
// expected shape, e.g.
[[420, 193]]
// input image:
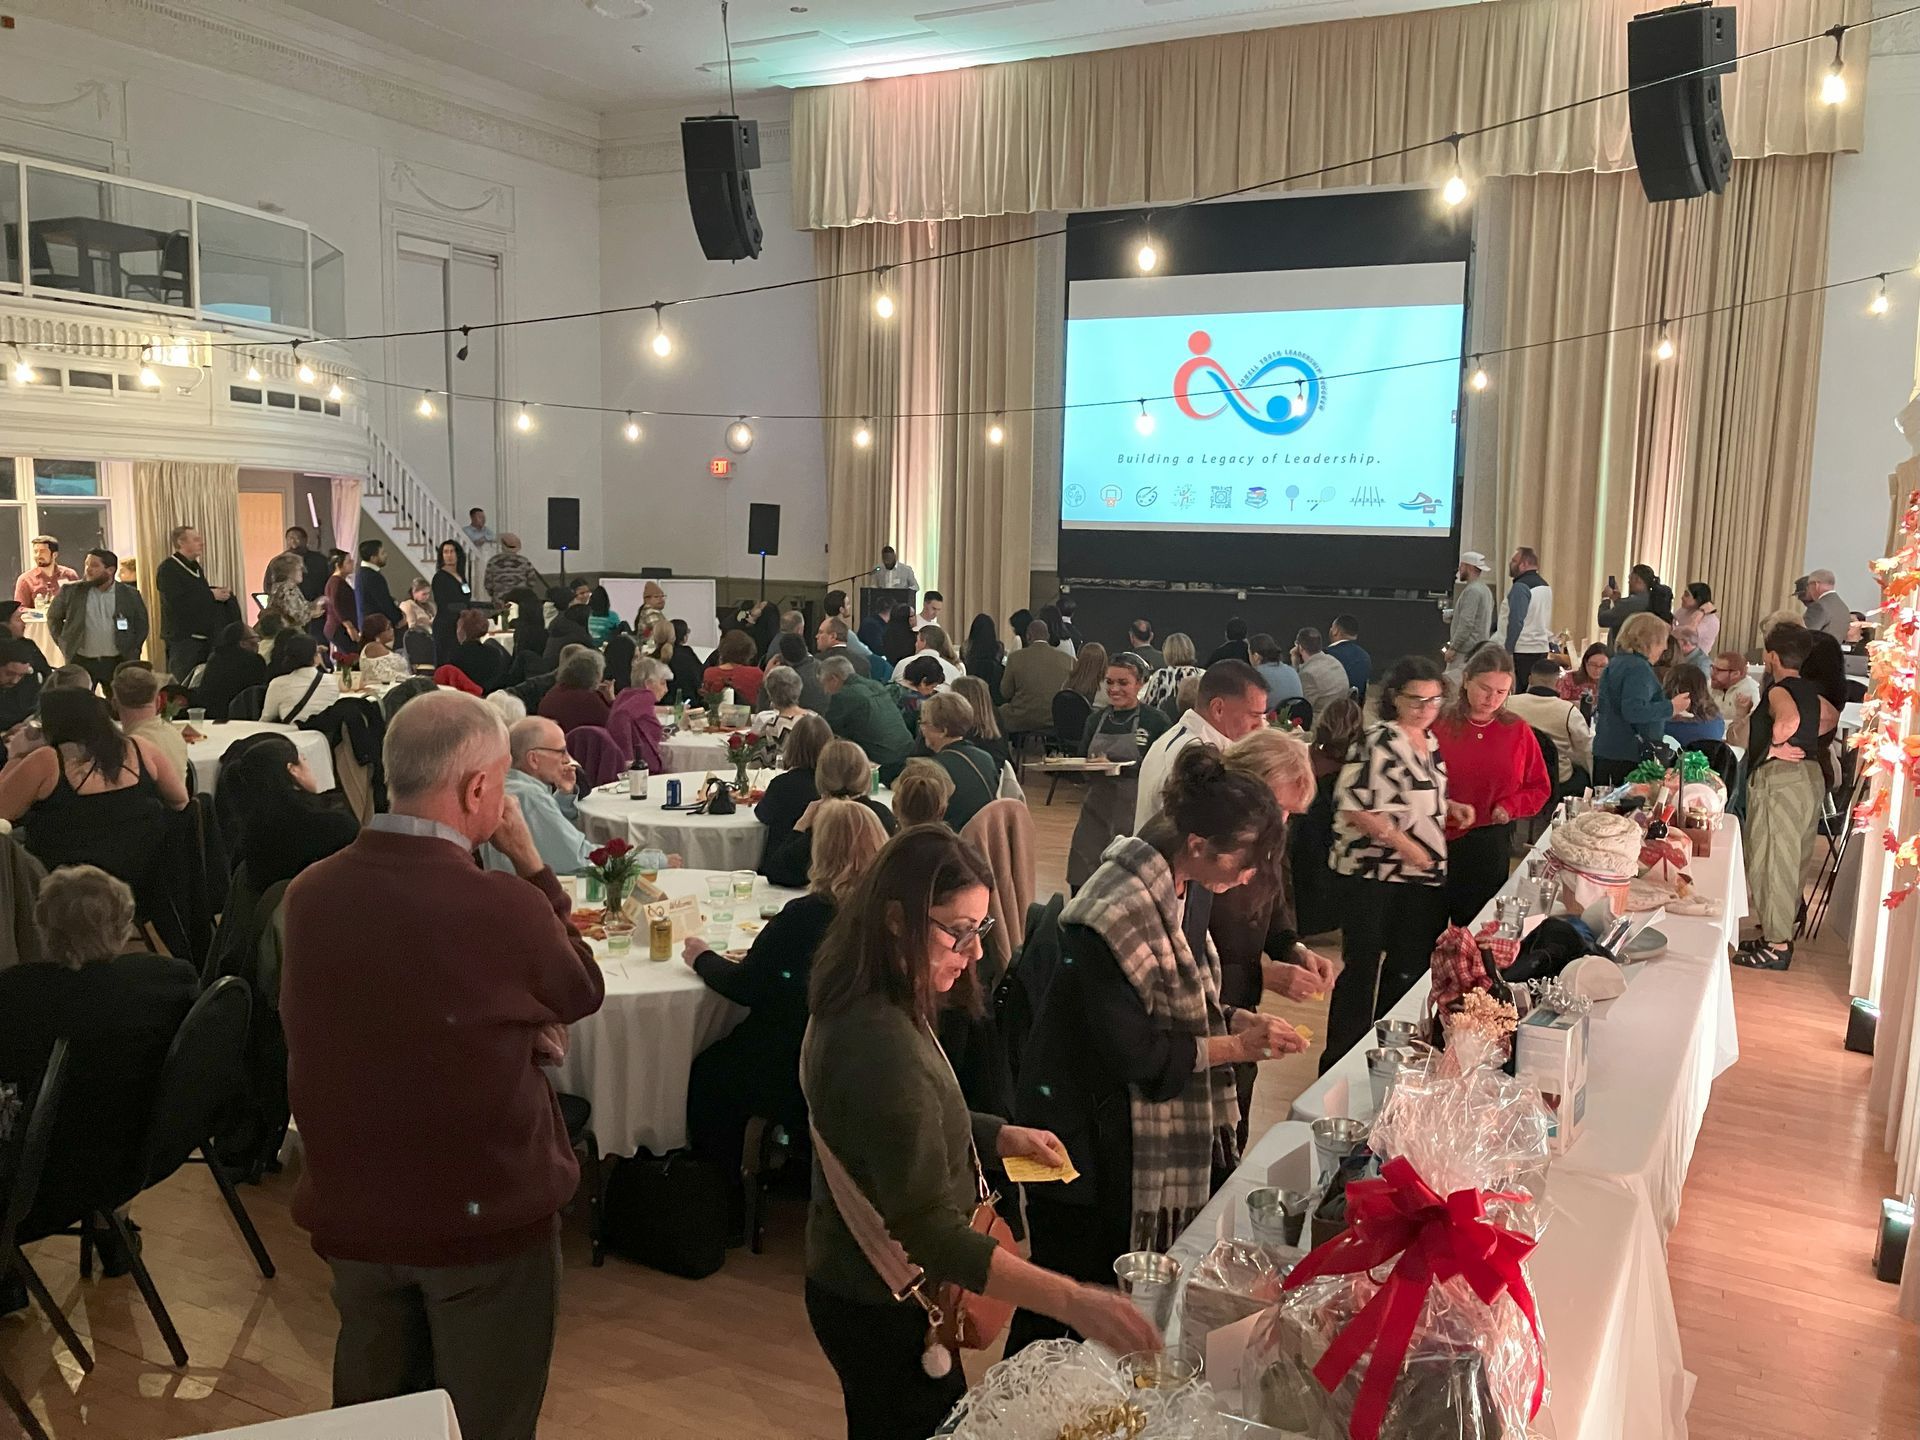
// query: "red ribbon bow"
[[1400, 1215]]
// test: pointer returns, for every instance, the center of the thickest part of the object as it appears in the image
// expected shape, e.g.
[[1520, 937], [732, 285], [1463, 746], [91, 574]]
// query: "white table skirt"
[[1653, 1054], [696, 752], [221, 734], [706, 842], [1613, 1340], [631, 1058]]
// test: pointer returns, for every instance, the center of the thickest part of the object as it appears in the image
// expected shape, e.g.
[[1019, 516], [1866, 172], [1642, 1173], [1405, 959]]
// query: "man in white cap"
[[1472, 613]]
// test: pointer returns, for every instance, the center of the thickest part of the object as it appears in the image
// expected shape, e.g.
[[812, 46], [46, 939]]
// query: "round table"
[[220, 734], [631, 1059], [700, 751], [710, 842]]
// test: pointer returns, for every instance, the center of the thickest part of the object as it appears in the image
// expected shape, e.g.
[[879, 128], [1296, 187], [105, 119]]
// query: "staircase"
[[408, 511]]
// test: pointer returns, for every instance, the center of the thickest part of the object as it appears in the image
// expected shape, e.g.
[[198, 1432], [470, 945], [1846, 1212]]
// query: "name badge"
[[119, 622]]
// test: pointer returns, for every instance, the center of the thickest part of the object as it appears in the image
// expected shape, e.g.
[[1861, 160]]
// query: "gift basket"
[[1418, 1322], [1068, 1390]]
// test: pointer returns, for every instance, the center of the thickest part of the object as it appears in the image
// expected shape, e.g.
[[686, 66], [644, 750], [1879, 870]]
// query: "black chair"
[[21, 1164], [576, 1111], [168, 282], [1071, 711], [1298, 712], [248, 704], [199, 1079], [770, 1145], [418, 645]]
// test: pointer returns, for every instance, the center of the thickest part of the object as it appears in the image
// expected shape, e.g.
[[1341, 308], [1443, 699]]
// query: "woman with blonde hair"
[[1163, 685], [755, 1070], [921, 793], [1631, 710], [1088, 677], [986, 732], [841, 773]]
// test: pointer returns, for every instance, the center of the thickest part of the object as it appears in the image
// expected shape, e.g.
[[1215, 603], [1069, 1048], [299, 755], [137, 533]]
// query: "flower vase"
[[616, 899], [742, 787]]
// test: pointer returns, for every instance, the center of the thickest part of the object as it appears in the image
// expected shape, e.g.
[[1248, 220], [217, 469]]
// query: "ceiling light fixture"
[[1147, 257], [425, 408], [305, 372], [882, 298], [740, 436], [662, 342], [1664, 350], [524, 420], [997, 431], [1143, 422], [1298, 405], [1454, 192], [1833, 85], [1880, 303], [633, 427], [1478, 380], [863, 435]]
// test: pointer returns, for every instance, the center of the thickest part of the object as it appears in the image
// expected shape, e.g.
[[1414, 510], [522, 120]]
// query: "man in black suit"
[[370, 586], [192, 612], [313, 565]]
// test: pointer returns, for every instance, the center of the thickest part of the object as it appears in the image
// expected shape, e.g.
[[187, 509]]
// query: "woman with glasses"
[[1389, 842], [1131, 1057], [886, 1107]]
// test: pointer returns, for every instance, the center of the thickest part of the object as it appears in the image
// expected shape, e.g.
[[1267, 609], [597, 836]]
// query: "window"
[[65, 478], [103, 238], [68, 501], [252, 268]]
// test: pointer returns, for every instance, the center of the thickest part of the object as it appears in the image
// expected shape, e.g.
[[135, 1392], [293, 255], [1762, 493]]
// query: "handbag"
[[719, 799], [956, 1318]]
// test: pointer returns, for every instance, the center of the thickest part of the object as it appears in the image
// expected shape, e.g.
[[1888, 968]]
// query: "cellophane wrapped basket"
[[1418, 1322], [1069, 1390]]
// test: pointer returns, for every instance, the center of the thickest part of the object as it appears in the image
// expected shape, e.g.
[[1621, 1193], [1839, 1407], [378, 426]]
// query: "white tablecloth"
[[706, 842], [205, 754], [632, 1057], [1613, 1343], [1653, 1054], [700, 753]]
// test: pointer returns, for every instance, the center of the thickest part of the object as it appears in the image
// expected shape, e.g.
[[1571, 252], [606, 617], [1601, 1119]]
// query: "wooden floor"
[[1785, 1326]]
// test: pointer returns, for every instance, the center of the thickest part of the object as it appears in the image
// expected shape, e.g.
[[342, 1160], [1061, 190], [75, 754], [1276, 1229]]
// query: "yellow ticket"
[[1305, 1032], [1023, 1171]]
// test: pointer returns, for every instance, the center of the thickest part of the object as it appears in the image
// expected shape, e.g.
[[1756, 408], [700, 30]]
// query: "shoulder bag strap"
[[291, 714], [904, 1279]]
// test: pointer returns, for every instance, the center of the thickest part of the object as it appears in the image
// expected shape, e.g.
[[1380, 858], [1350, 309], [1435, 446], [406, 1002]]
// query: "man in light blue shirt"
[[1283, 681], [542, 780], [477, 529]]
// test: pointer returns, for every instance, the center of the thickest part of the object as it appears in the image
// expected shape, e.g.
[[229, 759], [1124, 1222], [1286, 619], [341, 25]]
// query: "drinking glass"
[[719, 887], [719, 927], [743, 884]]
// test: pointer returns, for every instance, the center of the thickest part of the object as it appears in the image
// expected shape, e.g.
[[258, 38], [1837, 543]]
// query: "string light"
[[1298, 405], [524, 420], [1478, 380], [997, 432], [863, 435], [149, 378], [882, 300], [253, 374], [1664, 350], [1879, 304], [461, 353], [425, 408], [662, 342], [633, 427], [1143, 422], [22, 371], [1147, 257], [1454, 192], [740, 436], [305, 372], [1833, 85], [335, 393]]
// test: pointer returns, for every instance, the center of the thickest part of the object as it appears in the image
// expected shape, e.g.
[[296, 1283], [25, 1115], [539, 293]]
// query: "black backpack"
[[668, 1212]]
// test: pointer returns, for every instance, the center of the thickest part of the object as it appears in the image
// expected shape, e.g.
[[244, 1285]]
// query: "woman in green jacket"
[[885, 1103]]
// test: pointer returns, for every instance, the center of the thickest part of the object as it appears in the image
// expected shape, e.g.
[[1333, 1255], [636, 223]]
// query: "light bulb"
[[1833, 86], [1478, 380], [862, 436], [883, 305], [1298, 405], [1146, 257], [996, 434], [23, 372], [633, 428], [149, 377], [306, 373], [253, 374], [1143, 422], [334, 392], [524, 420], [1454, 192], [662, 344], [425, 408], [1879, 304], [740, 437], [1664, 350]]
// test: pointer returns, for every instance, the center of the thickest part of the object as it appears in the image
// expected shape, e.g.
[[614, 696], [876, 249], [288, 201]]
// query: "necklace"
[[1479, 727]]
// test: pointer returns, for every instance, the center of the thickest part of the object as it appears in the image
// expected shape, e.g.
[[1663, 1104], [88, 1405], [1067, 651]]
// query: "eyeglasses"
[[1420, 702], [550, 750], [963, 935]]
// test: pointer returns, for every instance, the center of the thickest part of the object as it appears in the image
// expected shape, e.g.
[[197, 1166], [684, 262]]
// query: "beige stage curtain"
[[167, 493], [1698, 466], [1201, 117]]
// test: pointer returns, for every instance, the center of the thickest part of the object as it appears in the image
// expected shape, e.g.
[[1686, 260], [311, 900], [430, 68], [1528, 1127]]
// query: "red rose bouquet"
[[614, 865]]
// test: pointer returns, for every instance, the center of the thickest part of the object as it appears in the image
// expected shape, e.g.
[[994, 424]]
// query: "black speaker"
[[719, 150], [763, 529], [1679, 135], [563, 524]]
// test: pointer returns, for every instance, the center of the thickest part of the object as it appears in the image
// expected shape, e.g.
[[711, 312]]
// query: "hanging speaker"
[[1674, 60], [718, 151], [763, 529]]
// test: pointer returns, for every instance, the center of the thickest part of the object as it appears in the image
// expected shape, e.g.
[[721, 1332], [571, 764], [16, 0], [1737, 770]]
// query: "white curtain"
[[346, 513]]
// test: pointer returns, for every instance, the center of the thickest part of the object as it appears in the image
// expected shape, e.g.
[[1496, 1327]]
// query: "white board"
[[690, 600]]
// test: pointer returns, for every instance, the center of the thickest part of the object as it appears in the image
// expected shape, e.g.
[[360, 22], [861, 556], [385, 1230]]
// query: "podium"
[[873, 596]]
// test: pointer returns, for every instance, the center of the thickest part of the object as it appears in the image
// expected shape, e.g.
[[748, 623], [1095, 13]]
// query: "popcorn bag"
[[1446, 1343]]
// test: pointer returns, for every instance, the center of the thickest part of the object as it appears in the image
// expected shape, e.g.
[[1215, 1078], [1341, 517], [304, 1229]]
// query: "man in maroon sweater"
[[436, 1159]]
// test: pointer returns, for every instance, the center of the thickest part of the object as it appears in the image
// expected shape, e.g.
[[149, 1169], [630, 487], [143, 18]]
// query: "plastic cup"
[[196, 714], [619, 942], [719, 928], [1173, 1368], [743, 884], [1149, 1279], [719, 887]]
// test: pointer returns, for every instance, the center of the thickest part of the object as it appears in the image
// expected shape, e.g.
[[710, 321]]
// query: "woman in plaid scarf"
[[1130, 1062]]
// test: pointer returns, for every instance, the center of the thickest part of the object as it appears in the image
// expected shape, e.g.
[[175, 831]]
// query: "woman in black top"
[[792, 791], [235, 665], [1130, 1058], [267, 804], [755, 1070], [118, 1008], [687, 670], [898, 642], [482, 660], [841, 773], [17, 627], [451, 598], [569, 627], [983, 656]]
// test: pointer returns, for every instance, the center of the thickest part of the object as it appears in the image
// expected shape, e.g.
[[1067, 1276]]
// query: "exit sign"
[[719, 465]]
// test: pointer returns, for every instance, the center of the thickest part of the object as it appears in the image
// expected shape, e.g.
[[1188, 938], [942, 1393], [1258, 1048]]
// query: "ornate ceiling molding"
[[201, 39], [410, 185], [625, 158]]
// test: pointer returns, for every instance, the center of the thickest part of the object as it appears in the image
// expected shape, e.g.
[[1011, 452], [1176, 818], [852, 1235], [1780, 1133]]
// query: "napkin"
[[1023, 1171]]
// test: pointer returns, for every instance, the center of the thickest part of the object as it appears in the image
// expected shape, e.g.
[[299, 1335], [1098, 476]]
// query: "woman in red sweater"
[[1494, 765], [733, 665]]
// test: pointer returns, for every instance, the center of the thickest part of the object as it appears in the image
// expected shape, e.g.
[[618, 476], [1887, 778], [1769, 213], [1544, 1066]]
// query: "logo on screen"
[[1279, 385], [1256, 496], [1076, 496], [1110, 496], [1146, 496]]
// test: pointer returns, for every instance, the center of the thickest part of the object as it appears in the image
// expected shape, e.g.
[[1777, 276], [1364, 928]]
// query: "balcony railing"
[[81, 235]]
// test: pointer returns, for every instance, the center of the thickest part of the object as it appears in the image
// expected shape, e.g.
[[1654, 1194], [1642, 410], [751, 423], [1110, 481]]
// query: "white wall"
[[332, 165], [1867, 362], [760, 352]]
